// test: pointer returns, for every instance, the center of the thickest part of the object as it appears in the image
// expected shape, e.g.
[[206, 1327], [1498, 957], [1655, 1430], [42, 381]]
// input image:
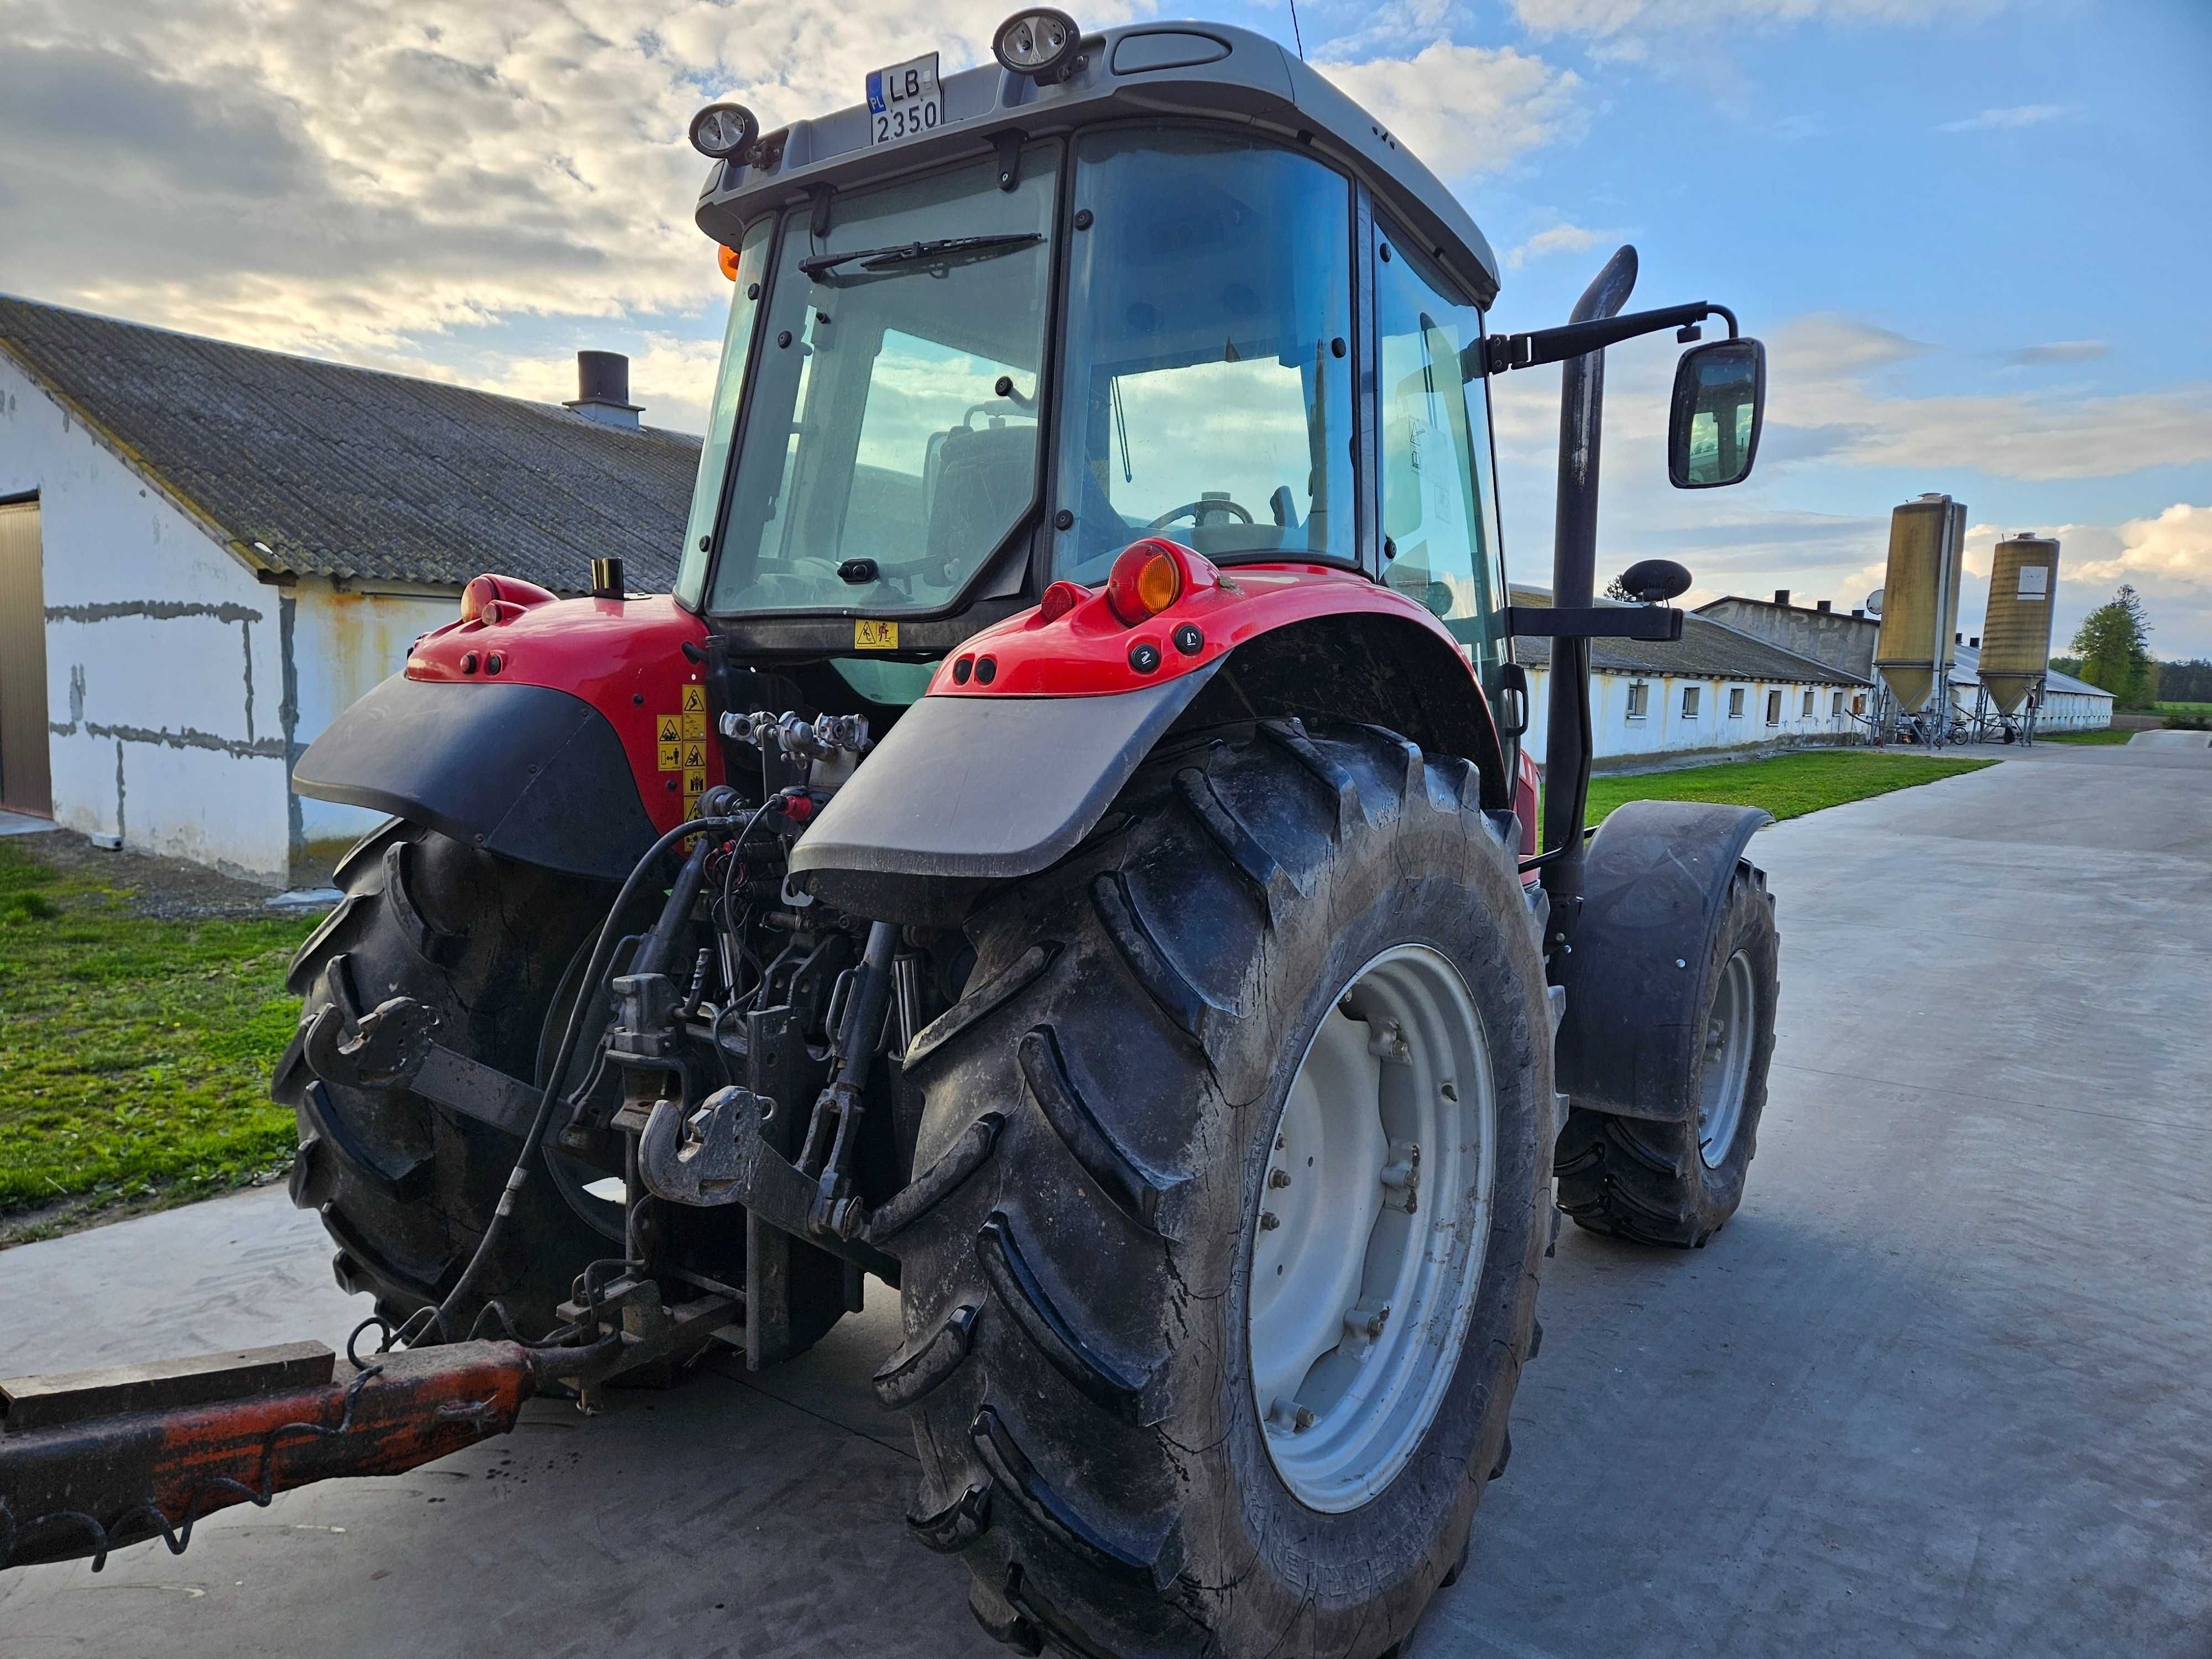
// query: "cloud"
[[365, 180], [1614, 19], [1560, 238], [2006, 120], [1465, 110], [2175, 547], [2060, 351], [1820, 378]]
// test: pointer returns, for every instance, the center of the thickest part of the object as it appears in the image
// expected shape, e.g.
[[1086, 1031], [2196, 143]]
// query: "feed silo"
[[1913, 653], [2016, 633]]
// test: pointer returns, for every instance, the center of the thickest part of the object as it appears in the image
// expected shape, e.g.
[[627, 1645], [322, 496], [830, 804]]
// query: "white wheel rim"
[[1727, 1065], [1373, 1220]]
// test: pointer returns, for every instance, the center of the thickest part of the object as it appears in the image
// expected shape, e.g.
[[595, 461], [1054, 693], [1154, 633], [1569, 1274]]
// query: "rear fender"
[[1657, 882], [569, 734], [1033, 726]]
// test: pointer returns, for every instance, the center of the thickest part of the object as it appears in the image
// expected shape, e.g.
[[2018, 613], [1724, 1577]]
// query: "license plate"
[[905, 101]]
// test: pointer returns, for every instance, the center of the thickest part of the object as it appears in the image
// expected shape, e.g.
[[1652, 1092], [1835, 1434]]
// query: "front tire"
[[1678, 1183], [1081, 1312]]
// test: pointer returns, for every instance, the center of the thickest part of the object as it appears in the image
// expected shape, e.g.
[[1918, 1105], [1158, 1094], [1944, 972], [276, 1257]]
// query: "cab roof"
[[1202, 71]]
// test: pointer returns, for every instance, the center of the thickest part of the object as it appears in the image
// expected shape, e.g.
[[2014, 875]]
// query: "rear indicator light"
[[1061, 599], [1147, 579], [727, 258]]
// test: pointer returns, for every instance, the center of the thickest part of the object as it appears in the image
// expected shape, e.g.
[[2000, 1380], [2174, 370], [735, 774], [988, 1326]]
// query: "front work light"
[[724, 131], [1040, 44]]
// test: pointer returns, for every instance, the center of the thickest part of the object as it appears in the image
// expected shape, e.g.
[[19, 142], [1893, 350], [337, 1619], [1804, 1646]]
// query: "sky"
[[1974, 233]]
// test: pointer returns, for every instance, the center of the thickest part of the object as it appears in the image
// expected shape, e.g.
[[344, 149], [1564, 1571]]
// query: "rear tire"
[[1079, 1358], [404, 1186], [1678, 1183]]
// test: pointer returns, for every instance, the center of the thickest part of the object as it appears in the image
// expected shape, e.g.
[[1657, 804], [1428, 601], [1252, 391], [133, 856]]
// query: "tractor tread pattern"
[[1134, 1188], [1075, 1356], [975, 1005], [929, 1188], [909, 1374]]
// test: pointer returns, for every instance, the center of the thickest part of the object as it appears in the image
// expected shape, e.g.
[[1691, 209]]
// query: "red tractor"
[[1064, 849]]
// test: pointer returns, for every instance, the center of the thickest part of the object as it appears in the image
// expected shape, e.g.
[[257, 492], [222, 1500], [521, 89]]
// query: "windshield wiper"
[[886, 258]]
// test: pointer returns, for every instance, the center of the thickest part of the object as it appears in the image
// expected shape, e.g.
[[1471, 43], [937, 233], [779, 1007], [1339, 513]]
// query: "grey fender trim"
[[1656, 881], [526, 771], [966, 790]]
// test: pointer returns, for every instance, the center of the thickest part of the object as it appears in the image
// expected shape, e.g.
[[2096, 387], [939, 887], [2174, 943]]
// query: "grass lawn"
[[1788, 786], [135, 1051], [2183, 707], [2112, 735]]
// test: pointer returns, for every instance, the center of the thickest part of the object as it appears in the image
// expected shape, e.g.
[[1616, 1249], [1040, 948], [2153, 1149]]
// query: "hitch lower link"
[[93, 1460]]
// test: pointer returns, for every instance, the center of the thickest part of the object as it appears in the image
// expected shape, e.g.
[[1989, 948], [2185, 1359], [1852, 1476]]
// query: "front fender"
[[1655, 886]]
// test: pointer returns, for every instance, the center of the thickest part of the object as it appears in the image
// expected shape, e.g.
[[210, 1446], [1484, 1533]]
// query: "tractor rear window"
[[1208, 381], [891, 434]]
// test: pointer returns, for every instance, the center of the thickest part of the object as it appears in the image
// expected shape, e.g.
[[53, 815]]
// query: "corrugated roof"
[[1965, 671], [354, 473], [1708, 650]]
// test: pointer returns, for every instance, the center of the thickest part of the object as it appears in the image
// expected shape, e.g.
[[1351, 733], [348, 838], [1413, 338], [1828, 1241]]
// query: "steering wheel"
[[1195, 510]]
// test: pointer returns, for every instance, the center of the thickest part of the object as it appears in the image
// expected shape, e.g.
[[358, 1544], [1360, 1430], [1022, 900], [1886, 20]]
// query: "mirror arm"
[[1502, 352]]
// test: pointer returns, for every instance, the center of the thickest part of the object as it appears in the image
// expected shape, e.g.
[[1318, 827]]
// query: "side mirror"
[[1720, 401]]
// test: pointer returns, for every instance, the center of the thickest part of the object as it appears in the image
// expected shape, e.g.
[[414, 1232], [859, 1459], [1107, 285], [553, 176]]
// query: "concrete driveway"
[[1941, 1388]]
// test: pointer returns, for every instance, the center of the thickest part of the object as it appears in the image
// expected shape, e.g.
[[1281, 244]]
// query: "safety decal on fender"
[[868, 635]]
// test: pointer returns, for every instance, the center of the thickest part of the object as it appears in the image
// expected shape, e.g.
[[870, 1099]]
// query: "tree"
[[2186, 681], [1618, 589], [2114, 645]]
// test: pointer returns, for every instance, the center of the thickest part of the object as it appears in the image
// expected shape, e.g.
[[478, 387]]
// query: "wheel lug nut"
[[1269, 1221], [1279, 1177]]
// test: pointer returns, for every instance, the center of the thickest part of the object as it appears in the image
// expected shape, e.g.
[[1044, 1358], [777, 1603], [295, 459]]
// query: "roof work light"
[[724, 131], [1040, 44]]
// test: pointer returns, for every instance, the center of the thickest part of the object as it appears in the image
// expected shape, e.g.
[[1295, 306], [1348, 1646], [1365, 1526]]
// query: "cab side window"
[[1439, 520]]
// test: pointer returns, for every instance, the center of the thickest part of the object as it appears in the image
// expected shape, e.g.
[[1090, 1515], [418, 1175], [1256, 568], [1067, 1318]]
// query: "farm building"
[[1846, 641], [2068, 704], [1714, 690], [207, 551]]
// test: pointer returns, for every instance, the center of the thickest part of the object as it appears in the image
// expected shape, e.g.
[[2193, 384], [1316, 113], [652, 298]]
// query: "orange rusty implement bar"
[[92, 1461]]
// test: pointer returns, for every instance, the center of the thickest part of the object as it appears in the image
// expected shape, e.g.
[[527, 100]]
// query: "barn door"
[[26, 786]]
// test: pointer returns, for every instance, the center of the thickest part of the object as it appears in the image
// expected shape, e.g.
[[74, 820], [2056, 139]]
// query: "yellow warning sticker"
[[694, 699], [869, 635], [691, 809], [694, 781], [670, 727], [695, 723], [671, 757], [695, 753]]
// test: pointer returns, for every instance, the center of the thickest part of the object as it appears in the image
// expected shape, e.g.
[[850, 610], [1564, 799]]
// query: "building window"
[[1640, 698], [1774, 708], [1808, 701], [1836, 704], [1858, 703], [1689, 702], [1736, 702]]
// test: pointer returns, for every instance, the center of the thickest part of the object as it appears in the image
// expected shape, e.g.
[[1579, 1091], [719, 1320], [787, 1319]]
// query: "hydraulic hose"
[[602, 955]]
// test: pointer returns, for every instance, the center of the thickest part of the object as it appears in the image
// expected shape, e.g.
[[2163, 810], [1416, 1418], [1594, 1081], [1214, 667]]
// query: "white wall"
[[1664, 730], [164, 663], [343, 644], [180, 687]]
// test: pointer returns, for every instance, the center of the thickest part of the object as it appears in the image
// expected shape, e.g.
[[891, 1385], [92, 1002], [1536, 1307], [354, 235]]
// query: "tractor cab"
[[1175, 286]]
